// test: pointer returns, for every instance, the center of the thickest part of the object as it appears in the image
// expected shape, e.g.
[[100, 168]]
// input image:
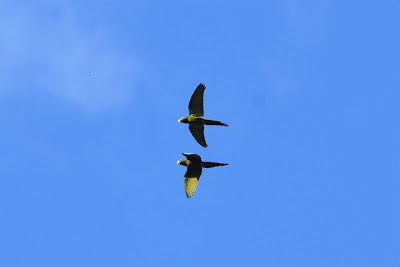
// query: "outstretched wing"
[[191, 178], [196, 101], [192, 157], [198, 134]]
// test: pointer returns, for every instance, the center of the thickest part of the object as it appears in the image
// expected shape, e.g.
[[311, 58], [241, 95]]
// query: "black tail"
[[211, 122], [212, 164]]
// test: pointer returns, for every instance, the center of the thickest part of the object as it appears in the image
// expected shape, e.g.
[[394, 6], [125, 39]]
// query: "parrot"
[[195, 119], [194, 166]]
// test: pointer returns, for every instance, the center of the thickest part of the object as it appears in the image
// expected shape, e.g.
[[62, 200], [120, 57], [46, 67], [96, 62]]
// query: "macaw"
[[194, 168], [195, 118]]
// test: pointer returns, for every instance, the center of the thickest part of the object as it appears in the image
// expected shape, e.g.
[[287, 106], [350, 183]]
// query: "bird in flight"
[[194, 168], [195, 118]]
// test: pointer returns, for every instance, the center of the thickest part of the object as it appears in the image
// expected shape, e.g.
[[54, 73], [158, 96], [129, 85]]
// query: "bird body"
[[196, 119], [192, 119], [194, 166]]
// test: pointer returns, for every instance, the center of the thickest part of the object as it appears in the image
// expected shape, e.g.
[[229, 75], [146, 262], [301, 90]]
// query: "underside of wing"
[[190, 180], [190, 186], [196, 101], [198, 134]]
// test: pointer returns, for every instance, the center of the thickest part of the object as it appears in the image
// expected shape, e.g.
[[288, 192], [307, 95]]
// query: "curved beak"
[[179, 120]]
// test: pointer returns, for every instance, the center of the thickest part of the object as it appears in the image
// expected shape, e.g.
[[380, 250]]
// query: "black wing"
[[192, 157], [198, 134], [196, 101]]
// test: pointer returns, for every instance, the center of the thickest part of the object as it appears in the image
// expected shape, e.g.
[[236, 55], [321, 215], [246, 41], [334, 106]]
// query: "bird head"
[[183, 120], [182, 162]]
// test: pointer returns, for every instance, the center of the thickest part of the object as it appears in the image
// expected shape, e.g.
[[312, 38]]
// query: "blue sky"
[[90, 95]]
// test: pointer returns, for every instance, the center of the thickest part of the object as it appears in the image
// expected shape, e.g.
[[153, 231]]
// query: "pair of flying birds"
[[196, 123]]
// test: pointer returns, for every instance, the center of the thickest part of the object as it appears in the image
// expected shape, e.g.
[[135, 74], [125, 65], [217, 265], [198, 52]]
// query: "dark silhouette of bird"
[[194, 168], [196, 113]]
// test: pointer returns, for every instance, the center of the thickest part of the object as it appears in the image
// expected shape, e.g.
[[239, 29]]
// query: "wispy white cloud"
[[47, 47]]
